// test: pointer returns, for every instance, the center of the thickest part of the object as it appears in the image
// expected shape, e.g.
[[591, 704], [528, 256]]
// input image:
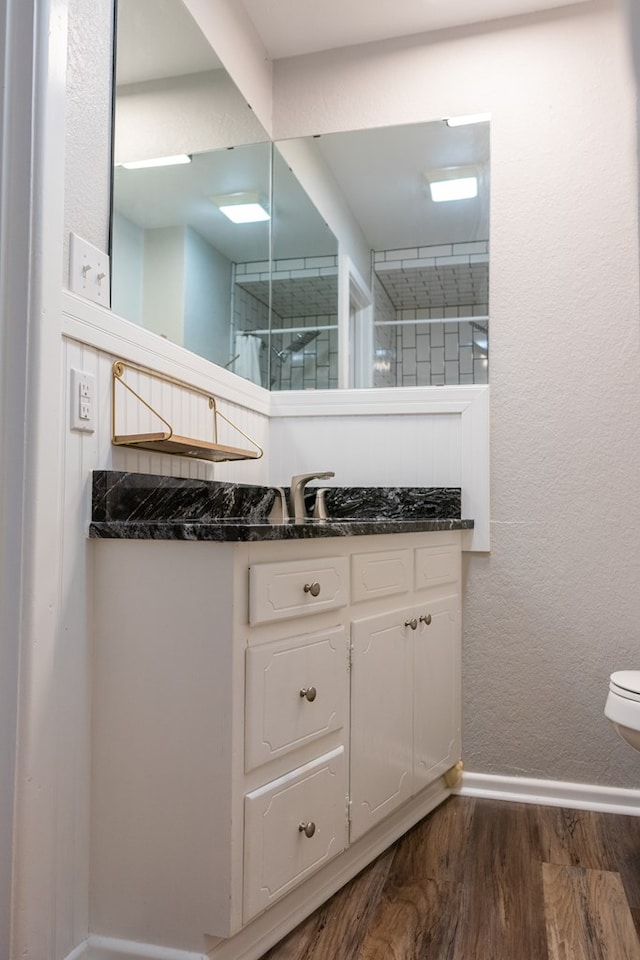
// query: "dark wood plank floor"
[[487, 880]]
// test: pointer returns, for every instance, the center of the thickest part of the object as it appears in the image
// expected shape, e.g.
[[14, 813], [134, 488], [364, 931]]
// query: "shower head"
[[301, 341]]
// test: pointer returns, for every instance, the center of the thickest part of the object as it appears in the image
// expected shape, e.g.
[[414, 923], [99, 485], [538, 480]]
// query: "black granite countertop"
[[148, 507]]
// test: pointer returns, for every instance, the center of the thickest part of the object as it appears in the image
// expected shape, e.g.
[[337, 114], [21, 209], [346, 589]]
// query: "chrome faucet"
[[296, 494]]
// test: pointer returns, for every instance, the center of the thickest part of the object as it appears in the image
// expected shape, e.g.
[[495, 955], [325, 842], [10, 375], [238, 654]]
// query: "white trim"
[[552, 793], [80, 951], [98, 327], [470, 402], [110, 948], [376, 400]]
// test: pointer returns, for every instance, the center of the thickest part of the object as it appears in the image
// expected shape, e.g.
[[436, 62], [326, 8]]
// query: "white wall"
[[556, 606]]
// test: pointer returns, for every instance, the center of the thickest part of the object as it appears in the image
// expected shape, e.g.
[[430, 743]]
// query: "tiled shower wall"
[[432, 286], [306, 282], [419, 294]]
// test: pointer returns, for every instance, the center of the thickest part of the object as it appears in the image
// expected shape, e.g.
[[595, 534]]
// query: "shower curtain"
[[247, 362]]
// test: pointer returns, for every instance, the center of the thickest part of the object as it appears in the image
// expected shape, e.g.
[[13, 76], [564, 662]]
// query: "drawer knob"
[[413, 623], [426, 619], [312, 588], [309, 693], [307, 828]]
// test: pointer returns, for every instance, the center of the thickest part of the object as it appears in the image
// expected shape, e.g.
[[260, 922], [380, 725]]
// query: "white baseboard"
[[109, 948], [553, 793]]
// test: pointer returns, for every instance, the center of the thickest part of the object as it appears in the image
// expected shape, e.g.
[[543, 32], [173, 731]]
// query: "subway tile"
[[451, 372], [437, 379], [471, 247], [407, 253], [442, 250], [452, 261], [466, 360], [465, 333], [378, 256], [423, 374], [479, 258], [319, 262], [451, 346], [408, 336], [437, 361], [423, 347], [437, 335], [408, 361]]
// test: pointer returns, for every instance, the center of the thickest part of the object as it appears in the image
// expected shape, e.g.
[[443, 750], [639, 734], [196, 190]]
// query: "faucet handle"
[[279, 512], [320, 506]]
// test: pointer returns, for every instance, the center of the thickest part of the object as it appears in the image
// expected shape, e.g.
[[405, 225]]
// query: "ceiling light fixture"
[[465, 188], [157, 162], [452, 183], [242, 207], [467, 118]]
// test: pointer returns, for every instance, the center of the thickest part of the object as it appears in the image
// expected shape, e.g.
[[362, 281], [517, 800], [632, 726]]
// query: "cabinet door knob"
[[413, 623], [307, 828], [312, 588], [309, 693], [426, 619]]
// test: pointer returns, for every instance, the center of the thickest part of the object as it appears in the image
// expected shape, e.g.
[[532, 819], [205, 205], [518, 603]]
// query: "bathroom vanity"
[[270, 711]]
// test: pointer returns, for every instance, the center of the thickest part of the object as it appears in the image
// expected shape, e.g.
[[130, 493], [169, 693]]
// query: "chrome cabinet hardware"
[[309, 693], [312, 588], [426, 619], [413, 623], [307, 828]]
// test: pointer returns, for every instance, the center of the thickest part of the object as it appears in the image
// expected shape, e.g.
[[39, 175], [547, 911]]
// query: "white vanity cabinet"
[[266, 720]]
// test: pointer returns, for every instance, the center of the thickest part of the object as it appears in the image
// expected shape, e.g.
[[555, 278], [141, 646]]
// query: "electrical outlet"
[[83, 398], [88, 271]]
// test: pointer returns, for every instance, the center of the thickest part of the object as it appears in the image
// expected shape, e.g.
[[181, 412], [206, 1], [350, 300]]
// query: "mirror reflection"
[[348, 249], [429, 257]]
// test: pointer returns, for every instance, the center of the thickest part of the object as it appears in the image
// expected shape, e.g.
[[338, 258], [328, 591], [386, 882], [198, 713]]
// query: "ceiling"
[[289, 28]]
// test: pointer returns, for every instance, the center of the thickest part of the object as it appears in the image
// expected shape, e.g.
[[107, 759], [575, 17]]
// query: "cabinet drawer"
[[278, 591], [278, 854], [436, 565], [279, 717], [381, 574]]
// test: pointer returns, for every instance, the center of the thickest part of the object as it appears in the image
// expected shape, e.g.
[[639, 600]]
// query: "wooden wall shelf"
[[167, 441]]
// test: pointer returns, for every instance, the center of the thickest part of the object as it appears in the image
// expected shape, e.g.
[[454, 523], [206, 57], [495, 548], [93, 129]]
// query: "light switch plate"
[[88, 271]]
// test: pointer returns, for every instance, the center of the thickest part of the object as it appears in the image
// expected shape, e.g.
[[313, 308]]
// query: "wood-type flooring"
[[488, 880]]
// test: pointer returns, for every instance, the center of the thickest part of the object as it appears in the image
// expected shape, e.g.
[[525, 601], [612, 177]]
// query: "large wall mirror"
[[311, 264]]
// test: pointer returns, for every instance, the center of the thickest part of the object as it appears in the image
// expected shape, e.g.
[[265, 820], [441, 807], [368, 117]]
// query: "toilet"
[[623, 705]]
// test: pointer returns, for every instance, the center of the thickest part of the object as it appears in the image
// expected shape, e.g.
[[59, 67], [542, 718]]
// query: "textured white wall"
[[555, 607], [88, 124]]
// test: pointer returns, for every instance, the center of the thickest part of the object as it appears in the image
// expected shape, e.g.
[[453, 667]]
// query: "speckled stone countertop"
[[147, 507]]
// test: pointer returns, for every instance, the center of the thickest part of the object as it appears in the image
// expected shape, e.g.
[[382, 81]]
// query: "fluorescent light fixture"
[[453, 183], [157, 162], [242, 207], [464, 188], [467, 118]]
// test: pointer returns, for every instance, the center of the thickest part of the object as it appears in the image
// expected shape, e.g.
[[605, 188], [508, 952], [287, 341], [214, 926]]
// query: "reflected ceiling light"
[[467, 118], [157, 162], [465, 188], [452, 183], [242, 207]]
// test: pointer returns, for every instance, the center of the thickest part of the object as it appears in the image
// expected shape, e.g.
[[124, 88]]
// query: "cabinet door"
[[436, 690], [381, 718]]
